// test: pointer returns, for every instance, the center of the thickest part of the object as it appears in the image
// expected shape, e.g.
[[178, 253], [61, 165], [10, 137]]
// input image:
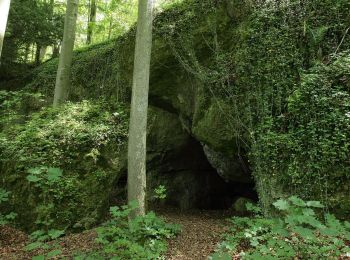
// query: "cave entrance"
[[192, 182]]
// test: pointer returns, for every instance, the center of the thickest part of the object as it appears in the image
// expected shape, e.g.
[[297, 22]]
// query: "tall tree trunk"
[[4, 12], [65, 61], [26, 53], [110, 28], [139, 105], [37, 54], [92, 20]]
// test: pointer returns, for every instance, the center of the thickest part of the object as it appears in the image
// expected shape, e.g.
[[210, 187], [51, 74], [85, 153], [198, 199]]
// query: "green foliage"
[[5, 218], [16, 107], [42, 240], [143, 237], [45, 179], [308, 145], [298, 233], [160, 192], [82, 144], [31, 23]]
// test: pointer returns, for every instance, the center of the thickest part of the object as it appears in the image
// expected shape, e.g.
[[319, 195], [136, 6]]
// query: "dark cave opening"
[[193, 183]]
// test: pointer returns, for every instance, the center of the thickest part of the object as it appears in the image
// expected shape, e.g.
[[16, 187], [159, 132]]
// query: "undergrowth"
[[301, 232], [140, 238]]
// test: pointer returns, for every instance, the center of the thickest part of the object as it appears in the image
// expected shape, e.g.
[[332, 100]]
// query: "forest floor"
[[200, 233]]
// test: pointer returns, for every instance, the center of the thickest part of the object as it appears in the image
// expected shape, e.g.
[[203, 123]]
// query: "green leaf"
[[297, 201], [55, 252], [33, 246], [54, 174], [308, 212], [34, 171], [305, 233], [314, 204], [33, 178], [54, 233], [38, 257], [281, 204]]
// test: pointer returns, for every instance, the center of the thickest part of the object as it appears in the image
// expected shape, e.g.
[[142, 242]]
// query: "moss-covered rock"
[[86, 142], [240, 205]]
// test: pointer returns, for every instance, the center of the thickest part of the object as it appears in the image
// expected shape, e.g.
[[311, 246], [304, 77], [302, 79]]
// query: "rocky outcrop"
[[223, 76]]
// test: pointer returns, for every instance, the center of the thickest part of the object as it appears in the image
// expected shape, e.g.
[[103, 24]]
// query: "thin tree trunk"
[[110, 28], [37, 54], [55, 50], [65, 62], [92, 20], [26, 53], [4, 12], [42, 54], [33, 51], [139, 105]]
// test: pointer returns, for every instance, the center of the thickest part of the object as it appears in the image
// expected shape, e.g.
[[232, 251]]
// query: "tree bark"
[[91, 23], [65, 61], [139, 105], [37, 54], [43, 50], [4, 12], [55, 50], [110, 28]]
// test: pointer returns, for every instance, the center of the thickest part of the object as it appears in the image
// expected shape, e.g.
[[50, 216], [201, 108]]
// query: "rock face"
[[230, 169], [179, 162]]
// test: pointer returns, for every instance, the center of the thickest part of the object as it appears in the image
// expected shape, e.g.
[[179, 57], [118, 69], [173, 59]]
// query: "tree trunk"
[[55, 50], [26, 53], [65, 61], [43, 50], [92, 20], [37, 54], [110, 28], [139, 105], [4, 12]]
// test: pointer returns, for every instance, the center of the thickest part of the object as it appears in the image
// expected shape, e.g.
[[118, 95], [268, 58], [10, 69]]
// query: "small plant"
[[160, 192], [45, 179], [299, 233], [42, 240], [143, 237], [5, 219]]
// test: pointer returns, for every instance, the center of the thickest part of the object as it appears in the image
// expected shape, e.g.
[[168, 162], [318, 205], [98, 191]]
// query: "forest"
[[174, 129]]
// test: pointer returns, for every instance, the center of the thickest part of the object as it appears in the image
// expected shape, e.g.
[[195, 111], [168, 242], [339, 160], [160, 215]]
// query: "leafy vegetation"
[[55, 160], [308, 144], [143, 237], [5, 219], [302, 232]]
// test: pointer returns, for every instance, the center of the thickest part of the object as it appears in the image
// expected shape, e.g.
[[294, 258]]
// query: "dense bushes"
[[83, 140]]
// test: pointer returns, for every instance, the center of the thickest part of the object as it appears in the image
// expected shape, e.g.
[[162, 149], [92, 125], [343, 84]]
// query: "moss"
[[216, 128], [86, 140]]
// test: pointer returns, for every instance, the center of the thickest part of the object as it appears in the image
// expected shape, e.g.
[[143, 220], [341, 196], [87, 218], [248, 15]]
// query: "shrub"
[[143, 237], [299, 233]]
